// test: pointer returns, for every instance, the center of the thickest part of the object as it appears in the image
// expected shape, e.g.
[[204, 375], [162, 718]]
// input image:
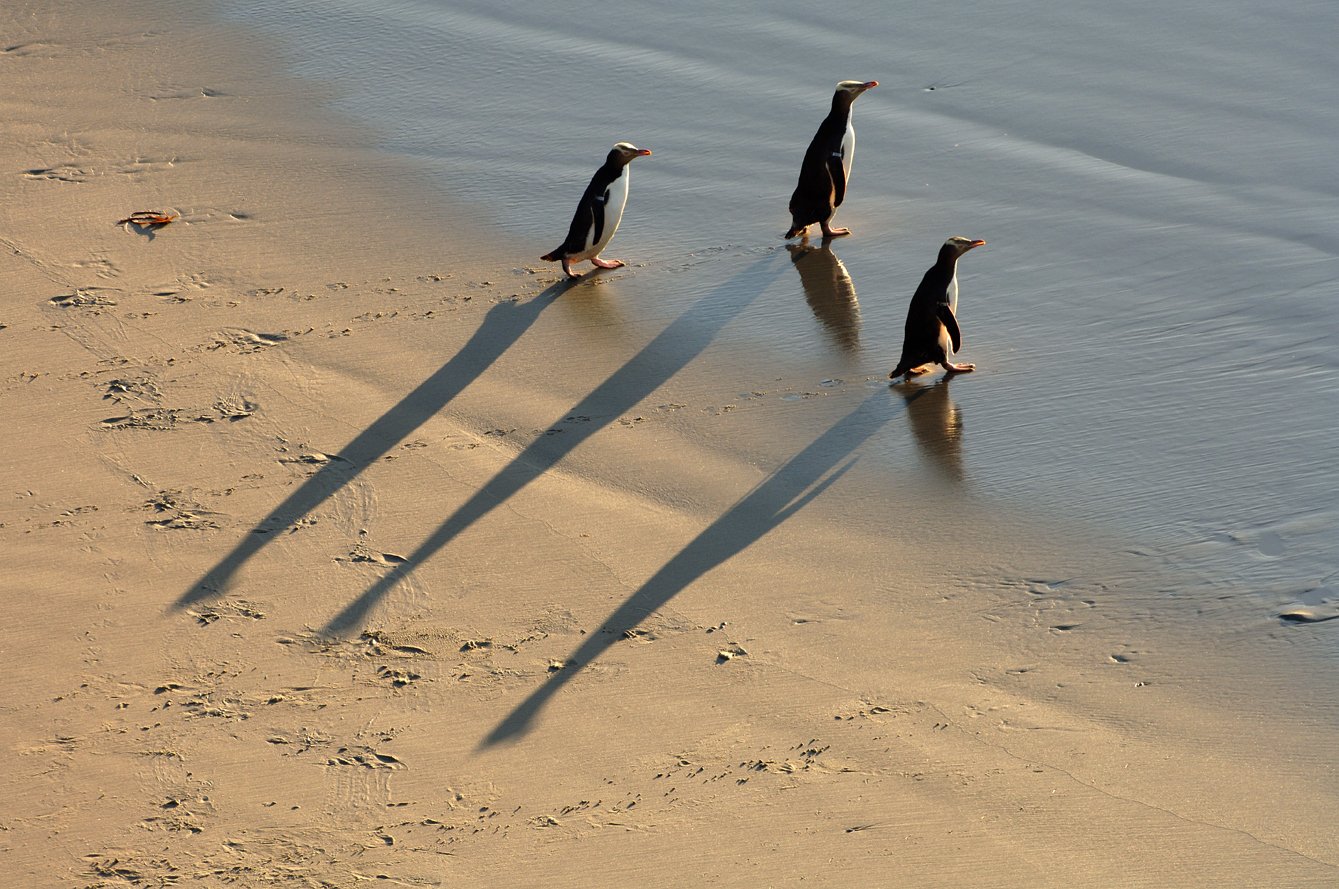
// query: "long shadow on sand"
[[678, 344], [501, 328], [782, 494]]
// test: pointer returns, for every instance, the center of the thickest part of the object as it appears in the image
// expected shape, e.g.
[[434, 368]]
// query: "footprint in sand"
[[155, 419], [60, 173], [90, 299], [245, 342], [131, 389], [100, 266]]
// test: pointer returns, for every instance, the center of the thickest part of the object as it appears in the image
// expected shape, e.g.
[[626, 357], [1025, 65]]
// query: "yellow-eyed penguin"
[[932, 320], [599, 212], [827, 165]]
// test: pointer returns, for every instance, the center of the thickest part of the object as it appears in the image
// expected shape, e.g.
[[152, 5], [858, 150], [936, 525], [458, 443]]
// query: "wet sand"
[[341, 547]]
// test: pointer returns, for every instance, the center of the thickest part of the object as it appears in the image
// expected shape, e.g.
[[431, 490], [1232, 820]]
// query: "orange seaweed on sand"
[[146, 218]]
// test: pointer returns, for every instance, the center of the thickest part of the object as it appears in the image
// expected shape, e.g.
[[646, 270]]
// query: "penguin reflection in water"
[[830, 292], [932, 333], [936, 424], [827, 165], [599, 212]]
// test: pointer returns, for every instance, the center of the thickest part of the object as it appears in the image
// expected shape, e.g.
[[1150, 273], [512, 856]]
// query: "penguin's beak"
[[643, 152], [976, 243], [871, 84]]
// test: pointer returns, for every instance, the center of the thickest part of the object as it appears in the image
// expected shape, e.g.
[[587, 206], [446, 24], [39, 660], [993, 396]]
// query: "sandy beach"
[[346, 542]]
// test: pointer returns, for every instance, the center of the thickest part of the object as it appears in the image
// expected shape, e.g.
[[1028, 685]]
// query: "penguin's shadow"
[[797, 482], [504, 324], [829, 291], [936, 425], [668, 353]]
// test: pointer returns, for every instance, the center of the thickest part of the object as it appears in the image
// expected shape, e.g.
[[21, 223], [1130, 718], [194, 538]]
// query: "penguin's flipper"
[[582, 223], [597, 210], [838, 173], [951, 324]]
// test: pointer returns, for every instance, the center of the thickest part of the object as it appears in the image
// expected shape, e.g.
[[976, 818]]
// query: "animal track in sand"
[[396, 677], [180, 813], [725, 655], [31, 48], [312, 458], [369, 645], [59, 173], [79, 173], [100, 266], [154, 419], [231, 609], [361, 553], [231, 408], [364, 756], [196, 281], [131, 868], [91, 299], [134, 388], [244, 342]]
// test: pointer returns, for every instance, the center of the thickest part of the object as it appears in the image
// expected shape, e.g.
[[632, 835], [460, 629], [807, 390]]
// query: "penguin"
[[932, 333], [827, 165], [598, 212]]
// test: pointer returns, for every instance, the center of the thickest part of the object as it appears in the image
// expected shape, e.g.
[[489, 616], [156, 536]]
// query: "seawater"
[[1154, 317]]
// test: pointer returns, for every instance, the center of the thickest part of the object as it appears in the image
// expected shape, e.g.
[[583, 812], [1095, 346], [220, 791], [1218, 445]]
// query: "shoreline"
[[461, 621]]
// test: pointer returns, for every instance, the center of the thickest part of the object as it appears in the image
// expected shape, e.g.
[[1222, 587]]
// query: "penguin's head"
[[853, 88], [958, 245], [623, 152]]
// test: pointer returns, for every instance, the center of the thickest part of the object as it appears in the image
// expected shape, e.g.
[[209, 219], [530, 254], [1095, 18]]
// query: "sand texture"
[[342, 543]]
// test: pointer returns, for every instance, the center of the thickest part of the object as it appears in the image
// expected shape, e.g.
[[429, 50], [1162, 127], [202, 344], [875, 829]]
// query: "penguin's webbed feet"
[[959, 368], [829, 232], [607, 263]]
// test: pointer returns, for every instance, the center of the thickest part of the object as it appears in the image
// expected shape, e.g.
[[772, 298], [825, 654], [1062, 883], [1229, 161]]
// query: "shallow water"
[[1153, 317]]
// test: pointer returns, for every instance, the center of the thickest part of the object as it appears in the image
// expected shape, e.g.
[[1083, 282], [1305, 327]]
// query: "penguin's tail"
[[552, 256], [793, 232], [898, 371]]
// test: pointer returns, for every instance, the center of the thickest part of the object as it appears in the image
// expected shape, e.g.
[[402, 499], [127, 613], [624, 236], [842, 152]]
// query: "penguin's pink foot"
[[567, 268], [607, 263], [959, 368], [915, 371], [834, 232]]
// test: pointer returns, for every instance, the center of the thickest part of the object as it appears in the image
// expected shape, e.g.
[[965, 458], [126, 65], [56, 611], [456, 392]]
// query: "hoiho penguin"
[[932, 333], [827, 165], [598, 212]]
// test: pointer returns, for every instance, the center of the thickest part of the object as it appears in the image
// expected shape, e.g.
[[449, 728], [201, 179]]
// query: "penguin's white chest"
[[946, 341], [848, 148], [614, 199]]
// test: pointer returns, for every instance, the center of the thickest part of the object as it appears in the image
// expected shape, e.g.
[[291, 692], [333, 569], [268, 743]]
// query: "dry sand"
[[304, 585]]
